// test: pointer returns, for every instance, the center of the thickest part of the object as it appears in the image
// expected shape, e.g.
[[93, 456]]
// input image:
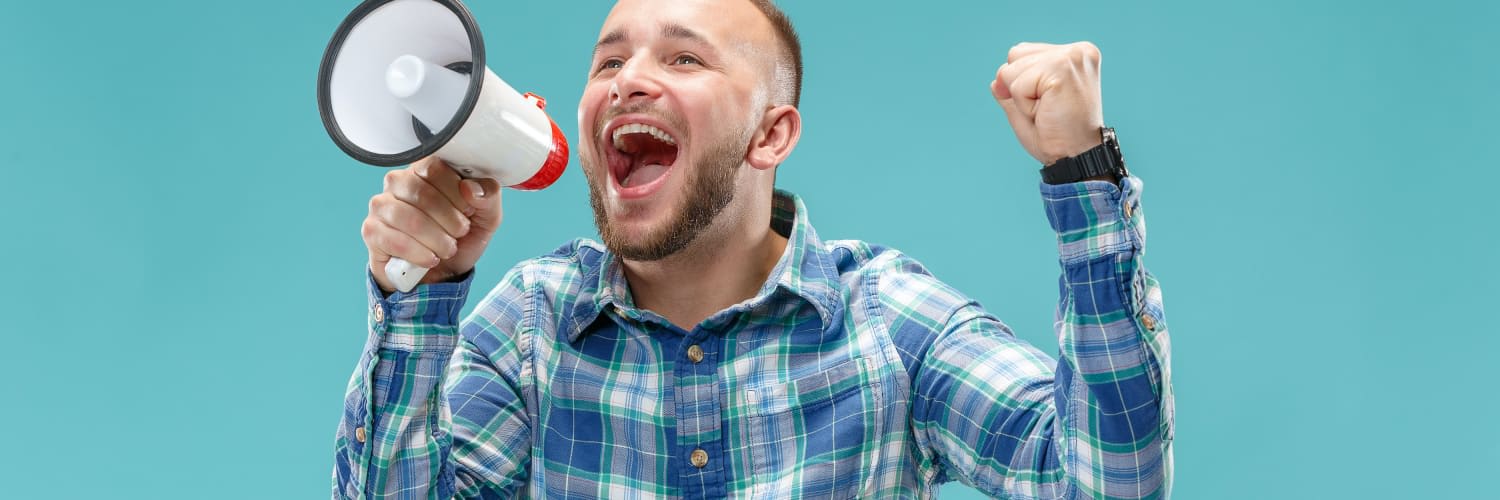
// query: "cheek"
[[728, 112], [589, 106], [588, 151]]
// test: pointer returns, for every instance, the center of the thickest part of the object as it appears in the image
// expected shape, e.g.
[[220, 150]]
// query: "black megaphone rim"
[[428, 147]]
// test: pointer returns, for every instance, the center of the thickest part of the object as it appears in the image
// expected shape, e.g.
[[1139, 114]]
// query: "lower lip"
[[643, 190]]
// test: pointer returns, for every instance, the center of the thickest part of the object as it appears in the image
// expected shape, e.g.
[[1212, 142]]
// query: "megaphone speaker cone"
[[358, 110], [431, 93], [405, 79]]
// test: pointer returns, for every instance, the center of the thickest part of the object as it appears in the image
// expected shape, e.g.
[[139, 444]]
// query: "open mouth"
[[641, 154]]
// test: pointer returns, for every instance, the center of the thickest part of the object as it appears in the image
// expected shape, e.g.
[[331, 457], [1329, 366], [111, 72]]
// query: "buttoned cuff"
[[1095, 218], [424, 319]]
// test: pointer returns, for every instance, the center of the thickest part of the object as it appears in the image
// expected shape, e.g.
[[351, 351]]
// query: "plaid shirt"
[[852, 373]]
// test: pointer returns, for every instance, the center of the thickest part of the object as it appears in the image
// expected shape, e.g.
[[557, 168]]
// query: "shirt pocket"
[[817, 436]]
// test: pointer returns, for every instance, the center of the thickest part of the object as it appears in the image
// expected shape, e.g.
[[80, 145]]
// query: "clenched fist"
[[1050, 93], [433, 218]]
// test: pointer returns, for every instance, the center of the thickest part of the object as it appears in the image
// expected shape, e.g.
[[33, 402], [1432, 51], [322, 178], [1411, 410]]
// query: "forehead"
[[725, 23]]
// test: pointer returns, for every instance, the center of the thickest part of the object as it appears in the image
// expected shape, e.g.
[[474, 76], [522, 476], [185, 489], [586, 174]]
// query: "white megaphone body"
[[406, 79]]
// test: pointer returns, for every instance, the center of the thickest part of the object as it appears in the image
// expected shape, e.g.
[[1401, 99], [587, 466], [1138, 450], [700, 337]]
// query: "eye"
[[611, 64], [687, 59]]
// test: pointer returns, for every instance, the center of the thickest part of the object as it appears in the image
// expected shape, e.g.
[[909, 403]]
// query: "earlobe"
[[777, 136]]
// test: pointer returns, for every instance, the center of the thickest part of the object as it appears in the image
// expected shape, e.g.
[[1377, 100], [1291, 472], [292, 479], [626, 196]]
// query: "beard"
[[710, 188]]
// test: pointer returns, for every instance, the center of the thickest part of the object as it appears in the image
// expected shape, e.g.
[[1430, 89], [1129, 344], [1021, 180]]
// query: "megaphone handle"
[[403, 274]]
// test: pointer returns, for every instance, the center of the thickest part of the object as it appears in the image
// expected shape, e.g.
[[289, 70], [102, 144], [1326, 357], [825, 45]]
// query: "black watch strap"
[[1100, 161]]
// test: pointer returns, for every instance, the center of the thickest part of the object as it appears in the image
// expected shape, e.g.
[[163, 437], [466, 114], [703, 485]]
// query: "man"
[[714, 346]]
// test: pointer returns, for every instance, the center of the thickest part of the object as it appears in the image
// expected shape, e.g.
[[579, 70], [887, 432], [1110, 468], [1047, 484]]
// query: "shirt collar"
[[805, 271]]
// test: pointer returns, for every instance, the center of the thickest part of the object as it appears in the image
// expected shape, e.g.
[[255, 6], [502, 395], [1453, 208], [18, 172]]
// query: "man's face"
[[674, 94]]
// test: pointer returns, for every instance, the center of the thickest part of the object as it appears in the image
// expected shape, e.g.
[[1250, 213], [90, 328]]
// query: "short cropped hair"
[[786, 84]]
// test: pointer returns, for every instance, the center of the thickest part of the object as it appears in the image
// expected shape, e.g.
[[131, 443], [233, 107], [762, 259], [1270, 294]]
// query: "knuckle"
[[412, 195], [404, 189], [1086, 51], [437, 171], [463, 226], [368, 229]]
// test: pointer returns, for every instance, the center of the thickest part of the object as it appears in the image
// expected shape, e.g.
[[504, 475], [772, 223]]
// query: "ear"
[[775, 138]]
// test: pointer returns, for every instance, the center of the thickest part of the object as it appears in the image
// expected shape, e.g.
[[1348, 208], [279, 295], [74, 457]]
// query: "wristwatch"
[[1103, 160]]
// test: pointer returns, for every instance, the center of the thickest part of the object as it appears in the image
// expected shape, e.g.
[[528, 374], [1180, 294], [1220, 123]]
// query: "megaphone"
[[406, 79]]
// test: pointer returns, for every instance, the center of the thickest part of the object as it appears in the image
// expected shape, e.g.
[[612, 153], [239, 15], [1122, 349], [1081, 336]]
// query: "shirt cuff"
[[422, 320], [1095, 218]]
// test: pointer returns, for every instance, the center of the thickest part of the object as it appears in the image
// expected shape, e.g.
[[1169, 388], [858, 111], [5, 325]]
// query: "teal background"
[[183, 303]]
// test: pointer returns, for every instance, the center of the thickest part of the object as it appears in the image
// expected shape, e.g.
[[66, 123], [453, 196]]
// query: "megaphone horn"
[[406, 79]]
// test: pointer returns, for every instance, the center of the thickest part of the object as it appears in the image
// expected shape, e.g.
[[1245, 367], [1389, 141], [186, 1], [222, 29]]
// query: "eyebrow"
[[612, 38], [669, 30], [674, 30]]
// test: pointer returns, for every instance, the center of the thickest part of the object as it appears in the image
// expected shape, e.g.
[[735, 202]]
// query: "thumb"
[[484, 196]]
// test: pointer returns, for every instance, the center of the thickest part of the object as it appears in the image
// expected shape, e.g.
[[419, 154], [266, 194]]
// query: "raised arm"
[[997, 414]]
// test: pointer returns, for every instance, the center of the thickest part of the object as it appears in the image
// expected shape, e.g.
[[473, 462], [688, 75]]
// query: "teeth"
[[640, 128]]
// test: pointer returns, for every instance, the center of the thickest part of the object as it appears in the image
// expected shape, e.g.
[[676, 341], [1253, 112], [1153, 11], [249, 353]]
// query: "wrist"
[[1100, 162], [1073, 149]]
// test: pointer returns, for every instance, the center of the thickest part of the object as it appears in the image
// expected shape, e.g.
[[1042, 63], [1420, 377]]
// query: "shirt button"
[[1147, 322], [359, 434], [699, 458], [379, 313], [695, 354]]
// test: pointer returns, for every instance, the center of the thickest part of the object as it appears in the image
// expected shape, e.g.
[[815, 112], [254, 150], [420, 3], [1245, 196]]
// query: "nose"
[[637, 80]]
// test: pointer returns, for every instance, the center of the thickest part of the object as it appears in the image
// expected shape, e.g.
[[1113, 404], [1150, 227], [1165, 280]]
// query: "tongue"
[[650, 163], [643, 175]]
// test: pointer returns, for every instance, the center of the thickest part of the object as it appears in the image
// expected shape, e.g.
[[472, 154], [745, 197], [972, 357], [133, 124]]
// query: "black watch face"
[[1114, 149]]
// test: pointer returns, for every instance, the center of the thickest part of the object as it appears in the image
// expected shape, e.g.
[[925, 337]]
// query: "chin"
[[635, 230], [636, 220]]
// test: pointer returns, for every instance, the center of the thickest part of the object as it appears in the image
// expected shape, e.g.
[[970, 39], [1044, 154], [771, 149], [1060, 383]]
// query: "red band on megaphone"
[[557, 161]]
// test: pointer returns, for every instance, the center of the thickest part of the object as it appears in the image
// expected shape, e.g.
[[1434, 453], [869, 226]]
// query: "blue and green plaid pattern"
[[853, 373]]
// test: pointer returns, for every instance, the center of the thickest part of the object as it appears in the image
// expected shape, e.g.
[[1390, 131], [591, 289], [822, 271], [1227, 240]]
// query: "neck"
[[713, 273]]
